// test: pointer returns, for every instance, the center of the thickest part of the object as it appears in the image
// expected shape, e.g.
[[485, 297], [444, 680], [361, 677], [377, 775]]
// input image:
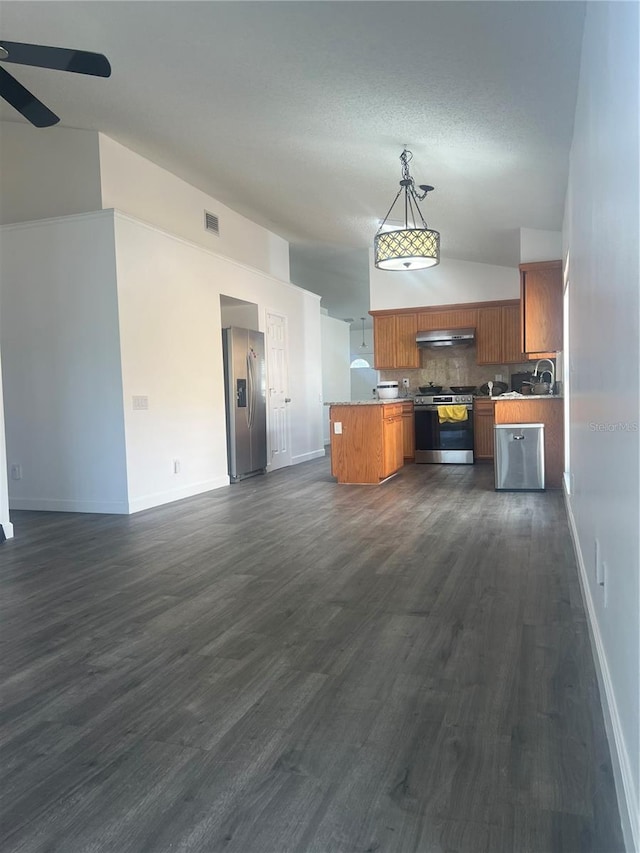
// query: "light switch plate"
[[337, 427]]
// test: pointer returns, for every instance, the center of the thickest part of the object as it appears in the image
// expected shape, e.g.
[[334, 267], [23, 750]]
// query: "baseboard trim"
[[307, 457], [59, 505], [7, 529], [159, 498], [625, 788]]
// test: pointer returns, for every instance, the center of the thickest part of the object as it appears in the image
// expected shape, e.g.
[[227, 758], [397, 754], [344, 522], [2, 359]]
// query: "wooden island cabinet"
[[367, 444]]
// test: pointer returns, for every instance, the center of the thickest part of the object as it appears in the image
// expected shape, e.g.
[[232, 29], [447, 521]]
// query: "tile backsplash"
[[453, 366]]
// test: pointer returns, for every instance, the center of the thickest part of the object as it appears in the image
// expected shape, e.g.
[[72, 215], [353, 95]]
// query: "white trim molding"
[[64, 505], [307, 457], [628, 804], [159, 499]]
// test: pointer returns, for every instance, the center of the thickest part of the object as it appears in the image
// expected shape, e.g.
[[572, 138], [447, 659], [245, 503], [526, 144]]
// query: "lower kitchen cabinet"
[[392, 440], [548, 411], [366, 441], [483, 422], [408, 433]]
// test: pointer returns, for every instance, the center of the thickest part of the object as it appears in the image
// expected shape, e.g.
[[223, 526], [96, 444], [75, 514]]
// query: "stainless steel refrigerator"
[[519, 462], [246, 402]]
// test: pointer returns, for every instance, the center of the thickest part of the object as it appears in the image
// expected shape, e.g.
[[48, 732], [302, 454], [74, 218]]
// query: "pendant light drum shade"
[[416, 246], [407, 249]]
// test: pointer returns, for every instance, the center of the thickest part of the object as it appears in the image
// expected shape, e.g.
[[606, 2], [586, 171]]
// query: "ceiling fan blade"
[[26, 103], [58, 58]]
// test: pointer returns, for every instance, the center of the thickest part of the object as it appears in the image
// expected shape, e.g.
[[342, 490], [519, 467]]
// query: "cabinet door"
[[489, 336], [394, 341], [483, 422], [384, 341], [392, 459], [408, 433], [465, 318], [541, 306], [407, 353], [511, 335]]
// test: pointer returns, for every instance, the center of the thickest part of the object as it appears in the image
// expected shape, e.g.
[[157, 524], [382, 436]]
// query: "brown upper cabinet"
[[511, 334], [463, 318], [394, 337], [498, 335], [541, 307], [497, 325]]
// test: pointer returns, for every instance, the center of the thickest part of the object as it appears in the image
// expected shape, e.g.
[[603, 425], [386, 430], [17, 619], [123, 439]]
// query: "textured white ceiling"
[[295, 113]]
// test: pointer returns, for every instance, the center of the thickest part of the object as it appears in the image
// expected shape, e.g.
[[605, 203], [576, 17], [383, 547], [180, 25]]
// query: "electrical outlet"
[[176, 466], [140, 401], [499, 377], [16, 472], [405, 383], [337, 428]]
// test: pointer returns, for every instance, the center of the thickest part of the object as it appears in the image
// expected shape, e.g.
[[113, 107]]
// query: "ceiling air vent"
[[211, 223]]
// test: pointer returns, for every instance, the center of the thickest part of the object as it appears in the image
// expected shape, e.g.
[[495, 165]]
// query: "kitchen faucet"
[[551, 372]]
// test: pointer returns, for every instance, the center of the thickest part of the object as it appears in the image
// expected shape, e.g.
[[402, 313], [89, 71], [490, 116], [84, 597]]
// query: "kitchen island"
[[366, 440]]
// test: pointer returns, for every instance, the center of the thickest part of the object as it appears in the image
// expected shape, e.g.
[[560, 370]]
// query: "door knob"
[[287, 399]]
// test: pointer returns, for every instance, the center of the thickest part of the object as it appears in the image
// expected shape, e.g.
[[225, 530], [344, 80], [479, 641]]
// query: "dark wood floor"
[[292, 665]]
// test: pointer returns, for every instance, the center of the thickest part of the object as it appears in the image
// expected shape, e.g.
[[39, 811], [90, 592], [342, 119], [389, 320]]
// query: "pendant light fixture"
[[416, 246], [359, 361], [363, 345]]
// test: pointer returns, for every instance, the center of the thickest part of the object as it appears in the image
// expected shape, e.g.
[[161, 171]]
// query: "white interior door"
[[278, 400]]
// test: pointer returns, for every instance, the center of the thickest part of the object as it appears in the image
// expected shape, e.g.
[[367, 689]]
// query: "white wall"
[[171, 350], [336, 376], [101, 307], [7, 526], [601, 234], [59, 171], [61, 365], [47, 172], [170, 329], [537, 245], [449, 283], [363, 379], [137, 186]]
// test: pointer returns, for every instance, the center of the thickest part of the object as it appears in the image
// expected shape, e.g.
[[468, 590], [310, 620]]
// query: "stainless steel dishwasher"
[[519, 456]]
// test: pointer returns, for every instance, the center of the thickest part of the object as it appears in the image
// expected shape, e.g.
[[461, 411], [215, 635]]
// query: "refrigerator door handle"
[[251, 394]]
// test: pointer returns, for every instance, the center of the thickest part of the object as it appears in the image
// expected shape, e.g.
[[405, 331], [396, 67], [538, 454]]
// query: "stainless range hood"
[[446, 338]]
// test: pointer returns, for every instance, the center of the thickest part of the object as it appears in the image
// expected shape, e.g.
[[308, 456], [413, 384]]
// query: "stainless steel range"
[[439, 439]]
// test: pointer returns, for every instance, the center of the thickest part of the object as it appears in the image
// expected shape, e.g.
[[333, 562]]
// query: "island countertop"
[[395, 401]]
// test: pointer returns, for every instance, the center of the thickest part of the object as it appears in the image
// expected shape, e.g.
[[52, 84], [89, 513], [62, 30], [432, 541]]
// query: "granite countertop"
[[370, 402], [508, 398]]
